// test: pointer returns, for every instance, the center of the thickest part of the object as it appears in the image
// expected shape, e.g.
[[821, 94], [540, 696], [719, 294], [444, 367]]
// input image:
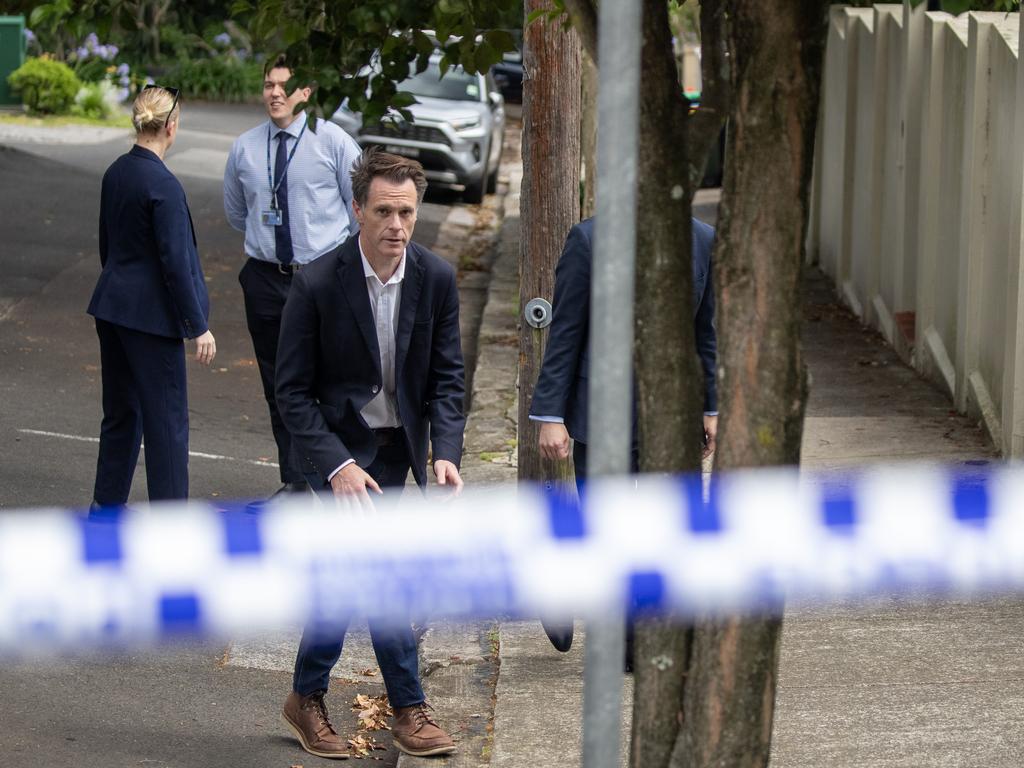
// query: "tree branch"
[[584, 19]]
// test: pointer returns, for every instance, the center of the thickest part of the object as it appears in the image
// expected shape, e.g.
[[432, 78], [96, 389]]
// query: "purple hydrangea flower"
[[30, 36], [125, 81], [82, 53], [222, 39], [242, 54], [122, 94], [112, 50], [123, 69], [91, 41], [101, 51], [149, 81]]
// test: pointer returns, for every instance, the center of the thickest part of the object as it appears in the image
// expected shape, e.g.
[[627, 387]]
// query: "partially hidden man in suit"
[[372, 369], [560, 397]]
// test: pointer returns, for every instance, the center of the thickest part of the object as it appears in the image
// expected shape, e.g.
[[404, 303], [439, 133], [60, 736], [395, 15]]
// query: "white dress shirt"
[[320, 215], [385, 299], [382, 411]]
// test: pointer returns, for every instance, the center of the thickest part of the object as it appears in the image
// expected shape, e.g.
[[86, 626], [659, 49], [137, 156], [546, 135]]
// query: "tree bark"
[[588, 136], [775, 71], [550, 203], [669, 385]]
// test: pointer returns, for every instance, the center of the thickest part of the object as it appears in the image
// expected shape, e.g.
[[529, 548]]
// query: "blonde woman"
[[150, 296]]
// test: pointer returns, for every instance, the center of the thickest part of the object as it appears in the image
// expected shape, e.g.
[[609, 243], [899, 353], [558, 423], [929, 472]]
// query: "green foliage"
[[60, 22], [331, 43], [46, 86], [92, 70], [554, 13], [216, 79], [98, 101]]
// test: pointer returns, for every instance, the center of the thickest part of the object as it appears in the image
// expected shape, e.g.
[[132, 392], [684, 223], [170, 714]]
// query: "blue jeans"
[[393, 642]]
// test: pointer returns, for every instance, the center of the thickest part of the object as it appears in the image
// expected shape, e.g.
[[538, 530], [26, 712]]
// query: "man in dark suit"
[[369, 369], [560, 397]]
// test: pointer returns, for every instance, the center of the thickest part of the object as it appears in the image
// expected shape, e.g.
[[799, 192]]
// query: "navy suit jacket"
[[152, 280], [328, 361], [562, 385]]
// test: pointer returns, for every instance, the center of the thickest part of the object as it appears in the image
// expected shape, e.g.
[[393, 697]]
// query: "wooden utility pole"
[[550, 202]]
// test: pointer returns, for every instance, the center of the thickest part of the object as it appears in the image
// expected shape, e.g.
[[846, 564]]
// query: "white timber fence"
[[917, 199]]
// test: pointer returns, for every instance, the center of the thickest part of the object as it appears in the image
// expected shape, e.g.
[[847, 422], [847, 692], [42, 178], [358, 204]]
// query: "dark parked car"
[[456, 131], [508, 76]]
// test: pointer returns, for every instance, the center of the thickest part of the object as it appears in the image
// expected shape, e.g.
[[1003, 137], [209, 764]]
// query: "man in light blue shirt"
[[288, 188]]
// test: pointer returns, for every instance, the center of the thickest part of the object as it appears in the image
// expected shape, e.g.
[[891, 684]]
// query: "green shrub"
[[97, 100], [93, 70], [223, 78], [45, 85]]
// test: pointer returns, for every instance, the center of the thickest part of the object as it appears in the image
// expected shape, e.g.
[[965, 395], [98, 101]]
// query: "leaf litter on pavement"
[[373, 713]]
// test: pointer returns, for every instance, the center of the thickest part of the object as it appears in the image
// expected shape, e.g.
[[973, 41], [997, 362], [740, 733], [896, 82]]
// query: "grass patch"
[[48, 121]]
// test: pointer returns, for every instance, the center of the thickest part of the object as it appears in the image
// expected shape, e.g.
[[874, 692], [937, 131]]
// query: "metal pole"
[[611, 340]]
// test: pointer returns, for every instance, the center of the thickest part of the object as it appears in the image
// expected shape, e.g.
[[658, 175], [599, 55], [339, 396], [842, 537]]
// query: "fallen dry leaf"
[[368, 672], [374, 712], [362, 746]]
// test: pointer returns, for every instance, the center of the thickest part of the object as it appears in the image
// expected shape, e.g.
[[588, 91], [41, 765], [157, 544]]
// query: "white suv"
[[456, 131]]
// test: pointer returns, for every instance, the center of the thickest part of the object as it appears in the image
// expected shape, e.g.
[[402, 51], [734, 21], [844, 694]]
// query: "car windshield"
[[456, 85]]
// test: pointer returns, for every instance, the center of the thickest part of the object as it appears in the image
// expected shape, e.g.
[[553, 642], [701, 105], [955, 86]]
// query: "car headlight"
[[466, 123]]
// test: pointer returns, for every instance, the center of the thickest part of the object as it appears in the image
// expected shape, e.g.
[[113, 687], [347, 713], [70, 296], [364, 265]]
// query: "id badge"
[[272, 217]]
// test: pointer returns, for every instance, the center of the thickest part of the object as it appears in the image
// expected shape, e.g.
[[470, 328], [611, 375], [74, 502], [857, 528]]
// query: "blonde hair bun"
[[151, 110]]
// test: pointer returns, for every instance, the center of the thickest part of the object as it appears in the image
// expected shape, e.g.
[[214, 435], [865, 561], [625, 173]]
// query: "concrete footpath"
[[890, 682]]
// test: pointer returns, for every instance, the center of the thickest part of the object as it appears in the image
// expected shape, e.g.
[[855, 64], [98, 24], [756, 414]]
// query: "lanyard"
[[270, 176]]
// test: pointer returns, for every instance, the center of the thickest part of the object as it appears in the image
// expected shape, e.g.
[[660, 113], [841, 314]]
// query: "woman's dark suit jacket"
[[152, 280]]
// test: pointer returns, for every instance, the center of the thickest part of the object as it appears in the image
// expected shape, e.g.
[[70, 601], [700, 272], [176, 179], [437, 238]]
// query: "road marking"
[[196, 454]]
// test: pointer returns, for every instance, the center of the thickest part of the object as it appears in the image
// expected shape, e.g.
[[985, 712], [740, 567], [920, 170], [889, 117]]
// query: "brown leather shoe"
[[307, 718], [416, 733]]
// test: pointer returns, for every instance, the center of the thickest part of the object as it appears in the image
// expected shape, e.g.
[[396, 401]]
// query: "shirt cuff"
[[548, 419], [339, 468], [710, 413]]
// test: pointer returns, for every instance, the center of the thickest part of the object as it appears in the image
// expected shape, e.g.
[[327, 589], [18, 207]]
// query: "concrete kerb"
[[459, 661]]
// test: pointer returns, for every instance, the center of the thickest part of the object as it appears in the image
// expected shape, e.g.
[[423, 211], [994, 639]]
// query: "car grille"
[[408, 131]]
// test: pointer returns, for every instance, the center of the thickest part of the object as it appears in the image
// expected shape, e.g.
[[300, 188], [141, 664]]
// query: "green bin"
[[12, 54]]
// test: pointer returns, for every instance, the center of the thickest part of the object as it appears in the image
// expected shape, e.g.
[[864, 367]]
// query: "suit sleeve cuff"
[[339, 468]]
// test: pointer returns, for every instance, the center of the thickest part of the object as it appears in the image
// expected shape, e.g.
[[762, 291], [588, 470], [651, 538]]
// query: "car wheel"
[[475, 189], [492, 181]]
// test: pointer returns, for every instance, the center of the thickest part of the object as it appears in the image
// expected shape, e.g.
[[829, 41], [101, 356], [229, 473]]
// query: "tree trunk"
[[775, 70], [588, 137], [550, 203], [669, 385]]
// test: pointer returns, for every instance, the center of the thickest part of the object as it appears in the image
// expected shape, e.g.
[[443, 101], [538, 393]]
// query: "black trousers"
[[265, 290], [144, 395]]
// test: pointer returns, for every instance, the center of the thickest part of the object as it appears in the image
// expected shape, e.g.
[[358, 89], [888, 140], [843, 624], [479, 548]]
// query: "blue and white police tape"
[[761, 536]]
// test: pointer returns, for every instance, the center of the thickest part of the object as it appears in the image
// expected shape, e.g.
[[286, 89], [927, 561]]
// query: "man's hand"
[[350, 484], [447, 474], [554, 441], [710, 433], [206, 348]]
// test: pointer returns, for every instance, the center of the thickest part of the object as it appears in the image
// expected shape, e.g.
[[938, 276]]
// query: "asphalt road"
[[49, 389], [190, 706]]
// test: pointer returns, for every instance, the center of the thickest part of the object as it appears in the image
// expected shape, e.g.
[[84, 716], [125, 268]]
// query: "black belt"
[[388, 436], [276, 266]]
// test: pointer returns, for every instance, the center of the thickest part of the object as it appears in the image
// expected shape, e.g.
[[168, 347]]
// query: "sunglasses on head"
[[173, 91]]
